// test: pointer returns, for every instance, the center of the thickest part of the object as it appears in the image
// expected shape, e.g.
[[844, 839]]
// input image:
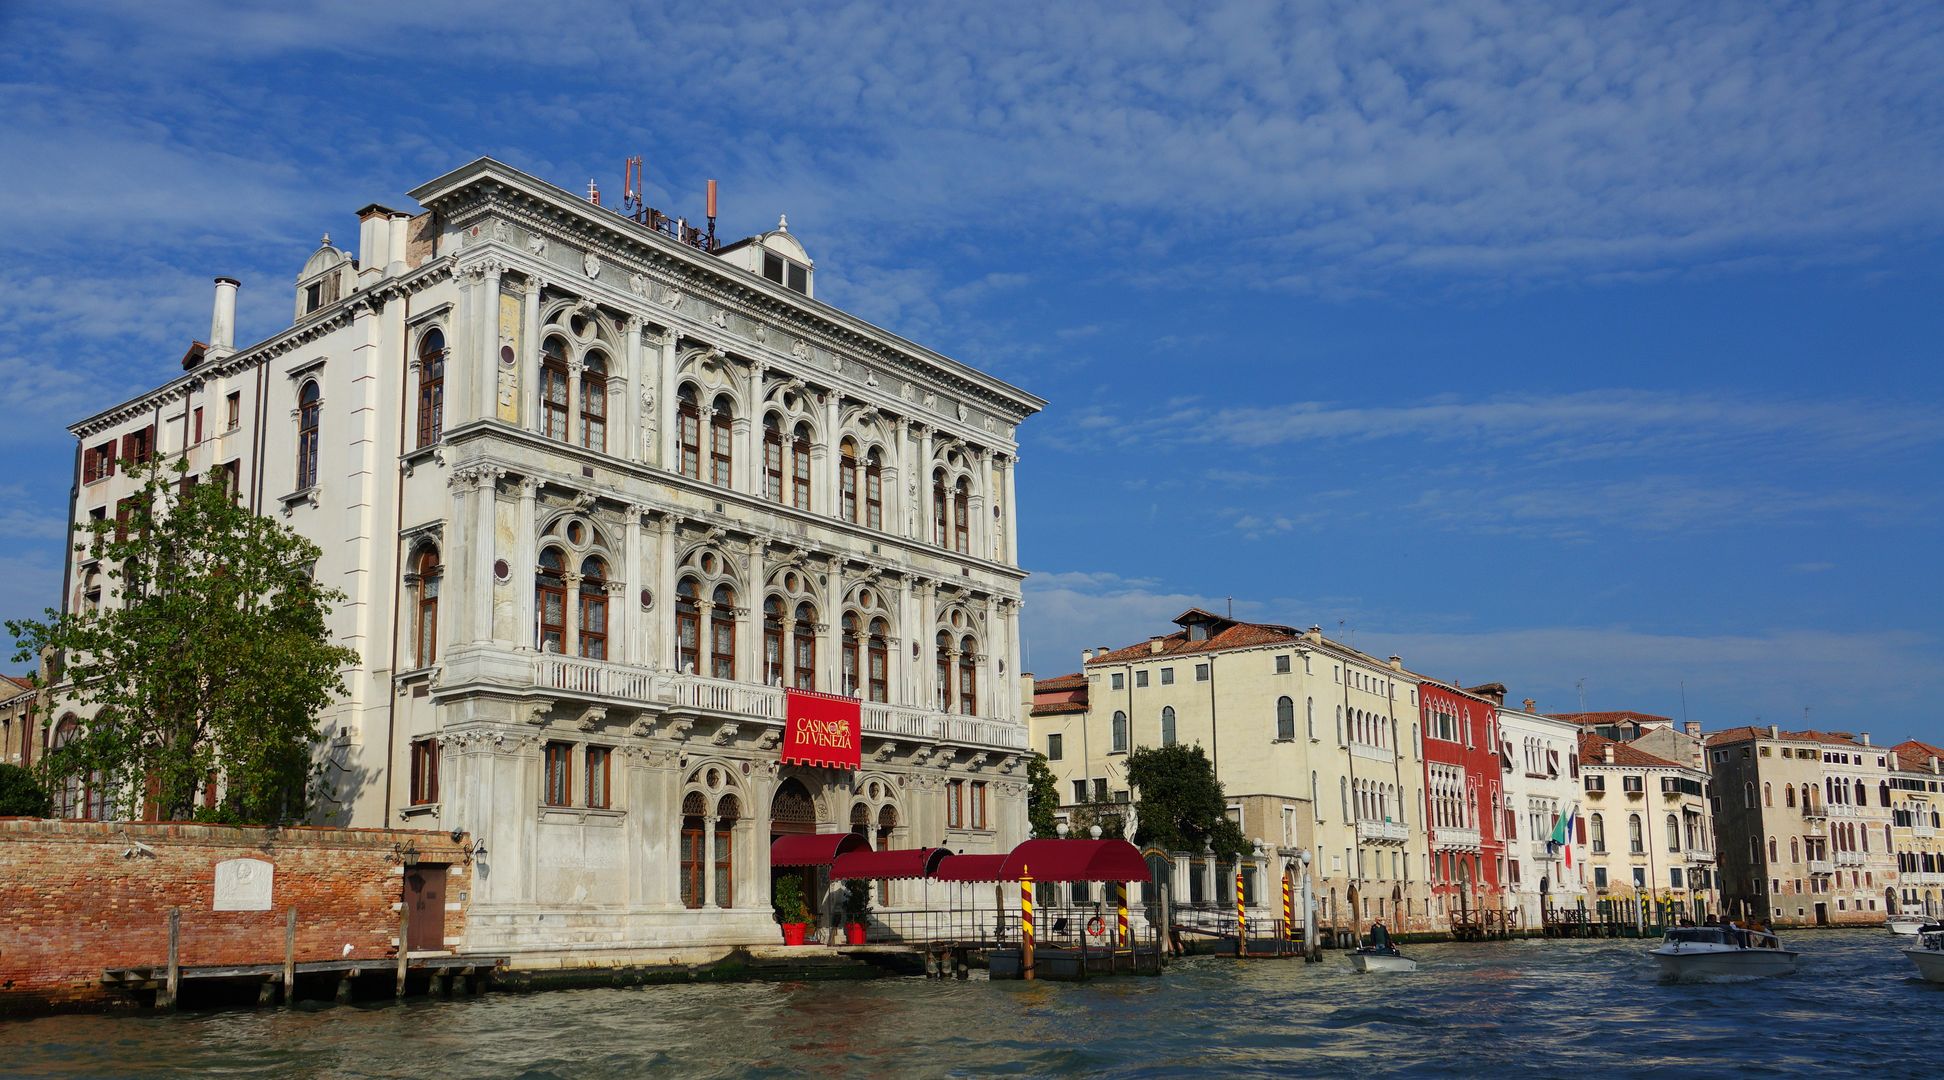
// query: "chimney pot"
[[1693, 728], [222, 320], [399, 226], [1086, 655], [1866, 738], [1155, 645], [1315, 633], [1531, 706], [1397, 663], [1774, 732]]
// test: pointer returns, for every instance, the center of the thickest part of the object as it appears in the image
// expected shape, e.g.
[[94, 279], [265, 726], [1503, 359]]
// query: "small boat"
[[1380, 954], [1700, 952], [1929, 953], [1907, 925]]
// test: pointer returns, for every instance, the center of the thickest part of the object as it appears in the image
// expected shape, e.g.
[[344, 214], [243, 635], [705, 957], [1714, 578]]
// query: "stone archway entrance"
[[794, 813]]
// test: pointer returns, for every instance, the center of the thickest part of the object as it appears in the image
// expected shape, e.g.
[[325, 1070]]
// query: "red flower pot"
[[854, 933], [793, 933]]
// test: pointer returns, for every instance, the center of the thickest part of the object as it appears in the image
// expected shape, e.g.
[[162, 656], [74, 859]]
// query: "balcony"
[[1851, 858], [1923, 832], [1382, 832], [1540, 851], [1821, 866], [1444, 839], [1373, 753], [1921, 877], [1815, 813], [627, 685], [1842, 811], [1700, 857]]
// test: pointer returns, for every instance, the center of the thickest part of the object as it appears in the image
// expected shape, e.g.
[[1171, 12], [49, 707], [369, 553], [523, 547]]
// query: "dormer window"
[[784, 272], [313, 297]]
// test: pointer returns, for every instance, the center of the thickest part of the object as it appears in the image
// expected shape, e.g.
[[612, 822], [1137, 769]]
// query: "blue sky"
[[1572, 350]]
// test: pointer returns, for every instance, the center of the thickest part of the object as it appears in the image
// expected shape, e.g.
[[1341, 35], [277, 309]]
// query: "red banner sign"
[[822, 729]]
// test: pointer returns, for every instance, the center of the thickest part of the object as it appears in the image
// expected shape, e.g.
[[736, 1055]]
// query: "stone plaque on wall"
[[243, 885]]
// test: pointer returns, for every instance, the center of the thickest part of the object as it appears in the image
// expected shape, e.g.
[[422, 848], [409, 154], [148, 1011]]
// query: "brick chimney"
[[1314, 633], [1692, 727], [1155, 644], [1397, 663], [1531, 706]]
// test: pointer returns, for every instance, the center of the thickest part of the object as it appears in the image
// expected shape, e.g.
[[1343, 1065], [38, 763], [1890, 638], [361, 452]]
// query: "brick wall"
[[73, 901]]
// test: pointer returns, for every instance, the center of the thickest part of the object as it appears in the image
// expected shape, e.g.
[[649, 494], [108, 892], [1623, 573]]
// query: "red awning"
[[1076, 860], [894, 865], [812, 849], [971, 868]]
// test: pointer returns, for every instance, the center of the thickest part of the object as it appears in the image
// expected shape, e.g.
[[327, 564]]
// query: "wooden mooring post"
[[404, 924], [173, 985], [290, 957]]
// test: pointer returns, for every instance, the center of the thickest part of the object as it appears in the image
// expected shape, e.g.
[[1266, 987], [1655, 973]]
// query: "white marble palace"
[[598, 489]]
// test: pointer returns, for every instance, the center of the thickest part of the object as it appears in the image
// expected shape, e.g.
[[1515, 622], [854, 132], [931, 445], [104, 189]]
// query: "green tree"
[[1042, 797], [1181, 805], [207, 657], [21, 795]]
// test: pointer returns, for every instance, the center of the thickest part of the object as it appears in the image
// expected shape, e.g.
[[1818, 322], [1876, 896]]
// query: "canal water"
[[1531, 1008]]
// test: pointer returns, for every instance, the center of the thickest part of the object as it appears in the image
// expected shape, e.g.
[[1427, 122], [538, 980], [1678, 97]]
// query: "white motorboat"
[[1703, 952], [1929, 953], [1907, 925], [1369, 959]]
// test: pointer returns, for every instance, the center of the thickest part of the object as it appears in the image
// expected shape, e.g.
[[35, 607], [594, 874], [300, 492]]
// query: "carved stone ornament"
[[963, 412], [761, 332], [536, 243], [726, 734], [931, 400], [977, 761], [909, 393], [672, 297], [501, 232], [770, 740], [720, 319], [533, 712], [991, 425], [885, 751], [870, 379], [591, 264], [642, 728], [591, 718], [678, 729], [638, 285], [800, 349]]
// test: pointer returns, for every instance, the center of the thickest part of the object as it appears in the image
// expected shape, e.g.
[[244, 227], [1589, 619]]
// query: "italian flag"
[[1563, 834]]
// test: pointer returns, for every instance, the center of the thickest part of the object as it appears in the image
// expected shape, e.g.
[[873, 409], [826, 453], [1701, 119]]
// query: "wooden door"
[[425, 893]]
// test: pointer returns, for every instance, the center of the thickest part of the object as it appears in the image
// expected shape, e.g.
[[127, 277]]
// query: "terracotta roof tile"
[[1060, 708], [1747, 732], [1620, 716], [1593, 750], [1075, 681], [1914, 755]]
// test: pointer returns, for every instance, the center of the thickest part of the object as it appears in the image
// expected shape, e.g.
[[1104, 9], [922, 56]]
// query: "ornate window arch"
[[1120, 732], [431, 386], [688, 431], [553, 388], [1167, 725], [594, 401], [550, 599], [424, 582], [722, 441], [593, 604], [310, 407], [866, 661], [1286, 719], [847, 504]]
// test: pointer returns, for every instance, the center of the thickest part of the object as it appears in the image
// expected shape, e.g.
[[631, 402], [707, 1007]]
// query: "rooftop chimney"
[[222, 321], [1086, 655], [1314, 633], [1774, 732], [400, 228], [374, 242], [1531, 706], [1397, 663], [1864, 738], [1608, 751], [1692, 727], [1155, 645]]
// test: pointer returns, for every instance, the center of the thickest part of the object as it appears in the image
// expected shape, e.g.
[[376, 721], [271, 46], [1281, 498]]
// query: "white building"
[[1541, 756], [597, 489]]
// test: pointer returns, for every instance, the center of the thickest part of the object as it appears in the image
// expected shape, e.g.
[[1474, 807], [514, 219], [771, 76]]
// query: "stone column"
[[748, 432], [485, 535], [634, 623], [988, 528], [459, 371], [833, 441], [530, 357], [489, 353], [667, 455], [895, 456], [526, 560], [927, 680], [1010, 520], [708, 860], [461, 593], [574, 432], [572, 581], [830, 636], [667, 541], [922, 476], [995, 643], [637, 380], [1012, 657], [749, 631]]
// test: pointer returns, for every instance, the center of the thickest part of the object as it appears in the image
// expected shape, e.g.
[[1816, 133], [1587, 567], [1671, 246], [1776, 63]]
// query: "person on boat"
[[1380, 938]]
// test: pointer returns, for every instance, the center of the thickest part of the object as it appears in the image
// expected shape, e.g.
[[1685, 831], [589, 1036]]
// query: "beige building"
[[1650, 840], [1917, 828], [19, 727], [1315, 743], [1803, 823]]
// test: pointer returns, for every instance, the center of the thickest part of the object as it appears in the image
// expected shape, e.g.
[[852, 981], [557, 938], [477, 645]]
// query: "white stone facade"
[[595, 495], [1541, 784]]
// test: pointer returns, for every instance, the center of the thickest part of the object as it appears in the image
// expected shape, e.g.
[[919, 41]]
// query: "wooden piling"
[[290, 957], [173, 985], [404, 923]]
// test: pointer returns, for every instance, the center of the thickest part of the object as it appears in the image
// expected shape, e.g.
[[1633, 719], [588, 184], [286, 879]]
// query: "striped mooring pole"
[[1025, 922], [1241, 916], [1289, 909], [1120, 902]]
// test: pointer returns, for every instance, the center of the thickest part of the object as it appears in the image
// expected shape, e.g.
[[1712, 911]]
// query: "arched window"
[[874, 489], [1636, 843], [1673, 833], [848, 676], [694, 854], [773, 641], [962, 516], [1120, 732], [1167, 725], [1771, 848], [1343, 785], [1883, 793], [425, 607], [688, 418], [941, 509], [1309, 716], [721, 421], [772, 458], [1748, 794], [803, 648], [431, 387], [308, 408], [550, 601], [1285, 719], [722, 633], [1597, 828], [553, 389], [800, 467], [593, 403], [688, 627], [879, 659], [847, 480], [944, 665], [1339, 725], [593, 608], [968, 678], [727, 813], [1768, 797], [71, 799], [1788, 795], [1795, 850]]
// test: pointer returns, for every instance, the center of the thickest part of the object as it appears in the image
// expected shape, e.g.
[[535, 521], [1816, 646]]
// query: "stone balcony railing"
[[1821, 866], [1851, 858], [1383, 832], [1923, 832], [1700, 855], [1844, 811], [624, 684], [1454, 839], [1920, 877], [1373, 753]]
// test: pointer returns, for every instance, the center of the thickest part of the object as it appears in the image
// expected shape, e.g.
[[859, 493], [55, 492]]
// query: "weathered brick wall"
[[72, 902]]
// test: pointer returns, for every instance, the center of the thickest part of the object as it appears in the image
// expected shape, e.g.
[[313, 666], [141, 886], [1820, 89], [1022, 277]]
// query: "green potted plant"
[[786, 897], [857, 909]]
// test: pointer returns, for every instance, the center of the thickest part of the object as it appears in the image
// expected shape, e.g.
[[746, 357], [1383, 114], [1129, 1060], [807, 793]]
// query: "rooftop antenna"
[[631, 200], [1581, 686], [1684, 715], [1231, 607], [593, 192], [712, 210]]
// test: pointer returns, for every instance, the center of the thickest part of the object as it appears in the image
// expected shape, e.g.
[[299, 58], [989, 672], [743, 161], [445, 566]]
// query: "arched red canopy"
[[889, 865], [813, 849], [1051, 860]]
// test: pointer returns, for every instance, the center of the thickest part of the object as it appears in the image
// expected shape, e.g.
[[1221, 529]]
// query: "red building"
[[1463, 803]]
